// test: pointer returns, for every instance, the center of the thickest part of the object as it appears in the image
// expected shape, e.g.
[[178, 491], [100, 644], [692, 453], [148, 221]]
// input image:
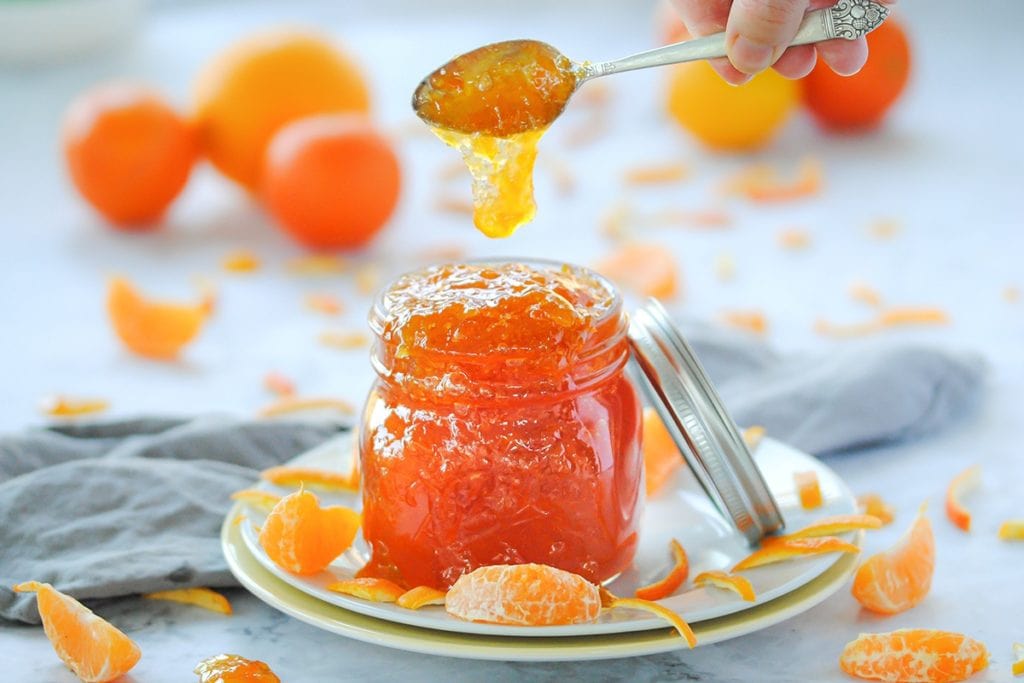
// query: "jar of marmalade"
[[502, 427]]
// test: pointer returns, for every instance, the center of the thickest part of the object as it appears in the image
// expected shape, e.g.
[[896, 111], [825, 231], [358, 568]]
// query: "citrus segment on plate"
[[897, 579], [90, 646], [523, 594], [795, 548], [672, 581], [200, 597], [739, 585], [914, 656], [303, 537], [963, 483]]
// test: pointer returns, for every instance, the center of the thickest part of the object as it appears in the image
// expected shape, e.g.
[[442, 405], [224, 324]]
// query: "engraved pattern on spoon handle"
[[846, 20]]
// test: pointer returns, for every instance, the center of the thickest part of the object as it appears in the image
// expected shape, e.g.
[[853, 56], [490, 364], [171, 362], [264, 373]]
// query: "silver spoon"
[[520, 85]]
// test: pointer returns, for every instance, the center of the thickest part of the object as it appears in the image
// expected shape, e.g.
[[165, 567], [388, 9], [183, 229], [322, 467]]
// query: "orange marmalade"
[[502, 428]]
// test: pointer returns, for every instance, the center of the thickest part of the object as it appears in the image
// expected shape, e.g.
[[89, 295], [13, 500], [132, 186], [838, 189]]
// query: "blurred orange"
[[264, 82], [331, 181], [861, 101], [129, 153], [727, 117]]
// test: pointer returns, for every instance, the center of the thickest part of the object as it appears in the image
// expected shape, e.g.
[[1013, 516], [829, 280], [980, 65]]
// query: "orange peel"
[[752, 321], [782, 551], [659, 610], [312, 477], [897, 579], [372, 589], [93, 648], [673, 580], [278, 384], [739, 585], [808, 488], [265, 500], [646, 269], [328, 304], [345, 340], [1012, 530], [830, 526], [962, 483], [1017, 669], [241, 261], [873, 504], [200, 597], [753, 435], [923, 655], [420, 596], [794, 239], [893, 317], [317, 265], [152, 329], [69, 406], [655, 174], [289, 405]]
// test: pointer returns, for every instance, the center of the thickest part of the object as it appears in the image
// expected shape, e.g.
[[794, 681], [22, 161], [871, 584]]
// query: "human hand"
[[758, 33]]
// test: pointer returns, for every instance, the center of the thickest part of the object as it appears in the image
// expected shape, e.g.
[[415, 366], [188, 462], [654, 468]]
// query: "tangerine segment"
[[897, 579], [646, 269], [808, 489], [295, 404], [523, 595], [150, 328], [1018, 654], [793, 548], [304, 538], [288, 475], [265, 500], [734, 582], [962, 483], [661, 455], [660, 610], [372, 589], [829, 526], [89, 645], [673, 580], [499, 89], [420, 596], [1012, 530], [502, 172], [873, 504], [914, 655], [66, 406], [200, 597], [234, 669]]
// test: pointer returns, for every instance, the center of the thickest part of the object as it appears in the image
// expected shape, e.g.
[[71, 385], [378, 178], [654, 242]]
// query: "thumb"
[[759, 31]]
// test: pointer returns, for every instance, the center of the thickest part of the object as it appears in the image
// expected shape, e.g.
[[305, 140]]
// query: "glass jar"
[[502, 427]]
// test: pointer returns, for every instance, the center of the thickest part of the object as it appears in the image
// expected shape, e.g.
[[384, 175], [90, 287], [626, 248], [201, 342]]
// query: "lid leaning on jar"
[[681, 392]]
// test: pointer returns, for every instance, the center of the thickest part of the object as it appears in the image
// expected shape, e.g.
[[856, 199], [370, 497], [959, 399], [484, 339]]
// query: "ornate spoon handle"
[[847, 20]]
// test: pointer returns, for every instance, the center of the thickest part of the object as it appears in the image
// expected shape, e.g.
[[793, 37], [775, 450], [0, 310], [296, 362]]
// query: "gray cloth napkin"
[[113, 509]]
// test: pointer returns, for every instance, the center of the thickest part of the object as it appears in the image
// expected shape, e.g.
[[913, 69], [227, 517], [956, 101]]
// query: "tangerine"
[[152, 329], [914, 656], [303, 537], [897, 579]]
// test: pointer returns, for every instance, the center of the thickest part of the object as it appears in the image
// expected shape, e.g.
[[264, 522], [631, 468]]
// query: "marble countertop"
[[946, 166]]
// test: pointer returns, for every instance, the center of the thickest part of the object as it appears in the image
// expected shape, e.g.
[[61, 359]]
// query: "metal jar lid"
[[681, 392]]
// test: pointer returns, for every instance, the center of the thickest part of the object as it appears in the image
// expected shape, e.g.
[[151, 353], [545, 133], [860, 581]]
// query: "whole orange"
[[128, 152], [861, 101], [264, 82], [331, 181], [728, 117]]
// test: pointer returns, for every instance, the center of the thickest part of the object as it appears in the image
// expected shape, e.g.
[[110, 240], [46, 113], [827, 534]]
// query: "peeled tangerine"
[[151, 328], [914, 656], [303, 537], [896, 580], [90, 646]]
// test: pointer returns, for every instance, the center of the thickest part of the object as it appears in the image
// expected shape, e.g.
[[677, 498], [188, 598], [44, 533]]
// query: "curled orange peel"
[[808, 489], [829, 526], [372, 589], [739, 585], [794, 548], [264, 500], [873, 504], [153, 329], [1012, 530], [672, 581], [1018, 654], [659, 610], [200, 597], [962, 483], [68, 406], [328, 304], [288, 475], [420, 596]]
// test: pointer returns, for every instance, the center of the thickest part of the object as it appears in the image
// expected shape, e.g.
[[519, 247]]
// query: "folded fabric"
[[130, 507]]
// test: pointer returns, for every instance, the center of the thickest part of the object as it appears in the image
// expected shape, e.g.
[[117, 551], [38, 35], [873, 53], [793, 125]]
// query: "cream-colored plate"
[[681, 511]]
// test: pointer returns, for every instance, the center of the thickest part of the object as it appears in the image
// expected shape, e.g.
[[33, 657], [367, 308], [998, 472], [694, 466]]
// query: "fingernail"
[[750, 57]]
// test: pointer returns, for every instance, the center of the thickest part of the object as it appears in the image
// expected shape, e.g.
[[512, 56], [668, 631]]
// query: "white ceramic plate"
[[680, 510]]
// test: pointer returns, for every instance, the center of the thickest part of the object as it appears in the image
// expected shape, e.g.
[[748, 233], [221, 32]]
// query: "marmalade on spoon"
[[502, 428]]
